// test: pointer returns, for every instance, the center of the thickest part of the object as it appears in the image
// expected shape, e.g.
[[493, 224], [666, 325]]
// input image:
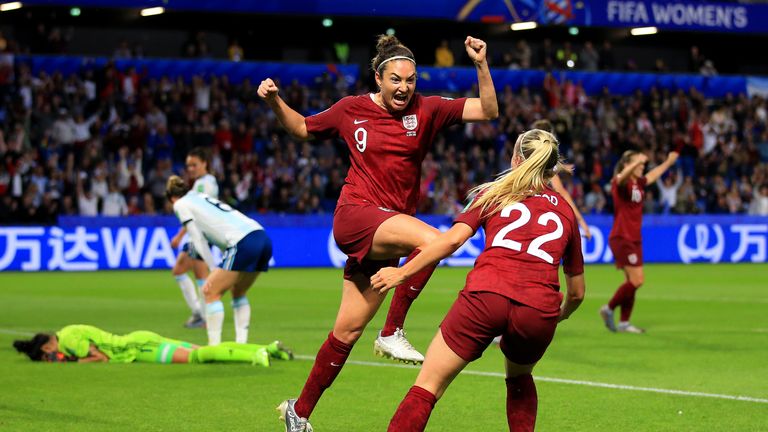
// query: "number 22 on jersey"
[[534, 248]]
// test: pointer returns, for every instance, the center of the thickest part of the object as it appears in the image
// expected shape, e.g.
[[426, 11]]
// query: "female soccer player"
[[188, 259], [513, 289], [85, 344], [388, 134], [628, 190], [247, 250]]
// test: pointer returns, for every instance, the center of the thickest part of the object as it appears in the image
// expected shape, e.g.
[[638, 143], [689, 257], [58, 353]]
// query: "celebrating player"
[[388, 134], [513, 289], [85, 344], [188, 259], [628, 190], [247, 250]]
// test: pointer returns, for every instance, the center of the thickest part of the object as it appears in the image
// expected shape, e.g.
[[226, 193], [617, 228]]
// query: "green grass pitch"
[[707, 338]]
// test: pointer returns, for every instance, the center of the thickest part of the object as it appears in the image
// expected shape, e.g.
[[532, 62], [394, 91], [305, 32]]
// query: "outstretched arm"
[[657, 172], [557, 185], [291, 120], [443, 246], [201, 246], [486, 107]]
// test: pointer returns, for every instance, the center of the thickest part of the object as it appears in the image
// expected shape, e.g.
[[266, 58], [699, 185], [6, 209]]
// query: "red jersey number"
[[534, 248]]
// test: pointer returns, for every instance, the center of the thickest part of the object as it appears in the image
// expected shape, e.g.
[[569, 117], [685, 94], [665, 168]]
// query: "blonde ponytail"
[[540, 153]]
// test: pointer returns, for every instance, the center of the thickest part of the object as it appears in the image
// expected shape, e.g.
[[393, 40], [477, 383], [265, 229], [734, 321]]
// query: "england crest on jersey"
[[410, 122]]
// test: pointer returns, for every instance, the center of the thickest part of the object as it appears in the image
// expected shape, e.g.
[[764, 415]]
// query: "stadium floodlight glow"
[[5, 7], [527, 25], [327, 22], [152, 11], [642, 31], [75, 11]]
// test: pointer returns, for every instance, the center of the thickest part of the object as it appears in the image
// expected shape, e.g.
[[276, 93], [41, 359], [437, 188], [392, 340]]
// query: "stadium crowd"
[[104, 142]]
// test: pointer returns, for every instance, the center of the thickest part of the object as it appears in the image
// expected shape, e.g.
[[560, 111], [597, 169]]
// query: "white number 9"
[[361, 136]]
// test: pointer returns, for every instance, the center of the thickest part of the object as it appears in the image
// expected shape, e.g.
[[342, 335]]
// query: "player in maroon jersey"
[[513, 290], [628, 190], [388, 134]]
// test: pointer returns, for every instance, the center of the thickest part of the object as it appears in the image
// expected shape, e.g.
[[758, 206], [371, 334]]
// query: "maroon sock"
[[328, 363], [413, 413], [620, 296], [522, 402], [629, 303], [405, 294]]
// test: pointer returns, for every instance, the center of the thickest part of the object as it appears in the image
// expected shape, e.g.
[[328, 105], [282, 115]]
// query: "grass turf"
[[707, 333]]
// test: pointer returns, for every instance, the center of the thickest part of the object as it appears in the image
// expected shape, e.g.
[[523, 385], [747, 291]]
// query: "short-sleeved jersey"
[[628, 208], [524, 245], [220, 224], [386, 149], [207, 184], [75, 340]]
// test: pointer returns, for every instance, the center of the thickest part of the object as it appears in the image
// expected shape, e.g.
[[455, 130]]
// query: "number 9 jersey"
[[220, 224], [524, 244]]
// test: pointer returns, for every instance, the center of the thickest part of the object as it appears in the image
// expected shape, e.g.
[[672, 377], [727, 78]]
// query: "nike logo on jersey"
[[357, 122], [413, 288], [335, 365]]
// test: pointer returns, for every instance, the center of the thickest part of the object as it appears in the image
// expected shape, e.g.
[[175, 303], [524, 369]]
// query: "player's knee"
[[348, 335], [637, 280]]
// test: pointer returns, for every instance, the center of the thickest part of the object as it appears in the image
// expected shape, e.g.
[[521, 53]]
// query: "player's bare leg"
[[399, 236], [218, 282], [440, 368]]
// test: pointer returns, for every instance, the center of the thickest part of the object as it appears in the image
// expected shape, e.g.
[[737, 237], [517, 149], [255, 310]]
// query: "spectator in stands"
[[443, 55], [589, 57]]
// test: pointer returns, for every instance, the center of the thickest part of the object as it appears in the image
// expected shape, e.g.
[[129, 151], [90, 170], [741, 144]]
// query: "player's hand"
[[585, 229], [672, 157], [267, 90], [386, 279], [476, 49], [175, 242]]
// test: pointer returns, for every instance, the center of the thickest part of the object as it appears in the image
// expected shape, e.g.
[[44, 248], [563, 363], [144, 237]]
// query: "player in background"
[[188, 259], [87, 344], [513, 289], [388, 134], [628, 191], [246, 252]]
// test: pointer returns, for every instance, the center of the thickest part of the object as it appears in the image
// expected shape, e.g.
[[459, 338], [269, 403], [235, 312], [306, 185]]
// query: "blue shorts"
[[251, 254]]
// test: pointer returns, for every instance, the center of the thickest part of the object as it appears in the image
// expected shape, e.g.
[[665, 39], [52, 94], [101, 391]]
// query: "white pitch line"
[[569, 381]]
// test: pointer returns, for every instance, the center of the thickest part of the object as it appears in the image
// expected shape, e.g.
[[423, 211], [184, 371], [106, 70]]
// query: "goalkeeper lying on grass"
[[84, 343]]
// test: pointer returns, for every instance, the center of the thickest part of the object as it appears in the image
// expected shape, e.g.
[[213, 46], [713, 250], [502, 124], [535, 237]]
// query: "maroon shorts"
[[625, 252], [353, 229], [477, 317]]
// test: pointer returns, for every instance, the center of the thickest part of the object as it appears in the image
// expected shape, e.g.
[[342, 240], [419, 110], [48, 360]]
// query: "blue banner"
[[89, 244], [668, 14]]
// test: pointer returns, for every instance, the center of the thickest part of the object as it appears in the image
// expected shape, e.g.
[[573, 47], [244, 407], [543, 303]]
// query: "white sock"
[[242, 312], [201, 295], [214, 321], [189, 292]]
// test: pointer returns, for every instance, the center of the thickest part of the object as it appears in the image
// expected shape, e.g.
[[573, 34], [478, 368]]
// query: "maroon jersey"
[[386, 150], [628, 208], [524, 244]]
